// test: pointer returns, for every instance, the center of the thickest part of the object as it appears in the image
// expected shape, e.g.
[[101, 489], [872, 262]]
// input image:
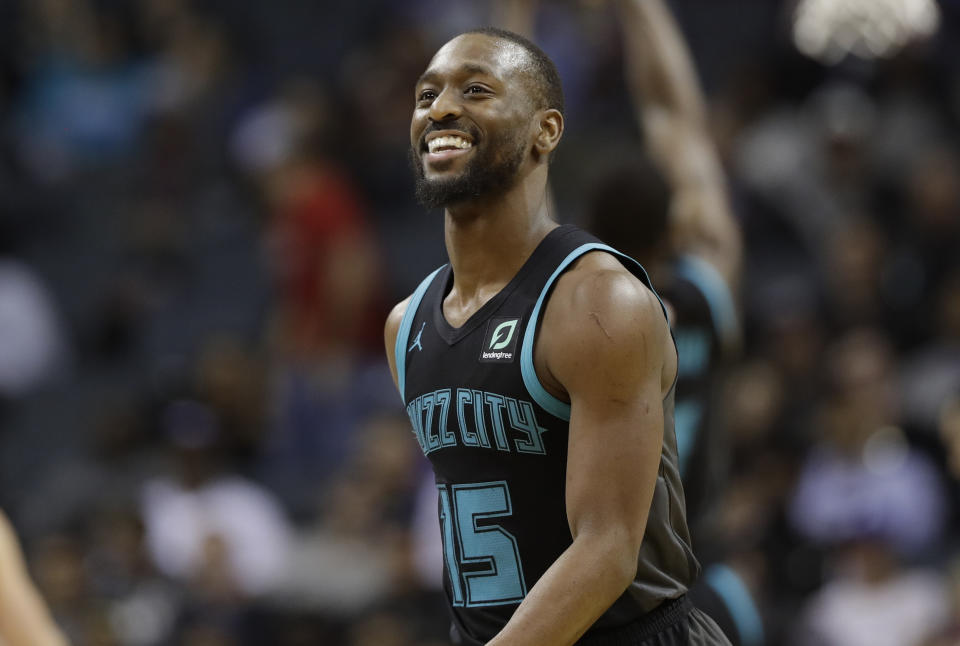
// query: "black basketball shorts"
[[673, 623]]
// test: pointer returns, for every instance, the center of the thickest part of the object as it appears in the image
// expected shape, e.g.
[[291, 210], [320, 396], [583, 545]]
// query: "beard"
[[493, 169]]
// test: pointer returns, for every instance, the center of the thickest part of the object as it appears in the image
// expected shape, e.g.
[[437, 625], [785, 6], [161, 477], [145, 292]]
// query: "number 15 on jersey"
[[483, 560]]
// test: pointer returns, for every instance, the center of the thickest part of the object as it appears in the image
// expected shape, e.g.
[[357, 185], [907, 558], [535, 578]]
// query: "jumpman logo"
[[416, 342]]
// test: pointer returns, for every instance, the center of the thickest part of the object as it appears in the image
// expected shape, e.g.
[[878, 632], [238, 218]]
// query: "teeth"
[[449, 141]]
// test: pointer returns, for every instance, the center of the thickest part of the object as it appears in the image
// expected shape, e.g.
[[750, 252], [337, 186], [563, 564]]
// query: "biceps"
[[613, 460]]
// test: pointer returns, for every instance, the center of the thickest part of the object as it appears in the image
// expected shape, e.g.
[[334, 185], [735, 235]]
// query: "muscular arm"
[[604, 341], [672, 112], [24, 619]]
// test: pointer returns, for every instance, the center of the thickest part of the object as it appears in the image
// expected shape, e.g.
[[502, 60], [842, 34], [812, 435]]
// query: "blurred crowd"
[[206, 211]]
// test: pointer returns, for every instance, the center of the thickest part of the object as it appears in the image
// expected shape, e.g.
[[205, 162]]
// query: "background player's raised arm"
[[672, 112], [24, 619]]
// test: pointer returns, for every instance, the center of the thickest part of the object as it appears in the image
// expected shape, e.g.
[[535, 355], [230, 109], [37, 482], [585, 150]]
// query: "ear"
[[551, 130]]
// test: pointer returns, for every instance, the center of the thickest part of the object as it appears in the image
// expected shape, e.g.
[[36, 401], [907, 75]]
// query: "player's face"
[[472, 125]]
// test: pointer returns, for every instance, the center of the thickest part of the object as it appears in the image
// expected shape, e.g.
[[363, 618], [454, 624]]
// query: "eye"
[[426, 95], [476, 89]]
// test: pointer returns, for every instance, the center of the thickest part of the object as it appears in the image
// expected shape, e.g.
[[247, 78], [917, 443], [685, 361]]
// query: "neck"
[[489, 240]]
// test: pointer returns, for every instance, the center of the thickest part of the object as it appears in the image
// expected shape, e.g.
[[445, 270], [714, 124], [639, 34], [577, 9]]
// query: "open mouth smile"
[[441, 146]]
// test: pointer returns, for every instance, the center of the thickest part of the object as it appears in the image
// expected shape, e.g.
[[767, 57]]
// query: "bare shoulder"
[[603, 322], [390, 330], [598, 284]]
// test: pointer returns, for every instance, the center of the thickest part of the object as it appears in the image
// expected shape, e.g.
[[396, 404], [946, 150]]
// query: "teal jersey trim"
[[714, 288], [730, 587], [686, 420], [540, 395], [403, 334]]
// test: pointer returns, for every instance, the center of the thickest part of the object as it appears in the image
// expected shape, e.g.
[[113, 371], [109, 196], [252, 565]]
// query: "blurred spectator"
[[221, 532], [32, 344], [874, 601], [142, 605], [854, 250], [62, 582], [232, 379], [88, 95], [949, 427], [194, 65], [930, 375], [319, 241], [366, 512], [807, 163], [328, 314], [950, 633], [864, 476], [382, 629]]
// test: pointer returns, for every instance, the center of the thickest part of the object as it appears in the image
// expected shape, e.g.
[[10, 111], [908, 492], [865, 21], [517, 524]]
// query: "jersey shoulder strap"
[[583, 243], [403, 334]]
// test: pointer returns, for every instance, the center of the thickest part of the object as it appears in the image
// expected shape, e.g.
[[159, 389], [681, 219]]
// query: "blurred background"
[[206, 211]]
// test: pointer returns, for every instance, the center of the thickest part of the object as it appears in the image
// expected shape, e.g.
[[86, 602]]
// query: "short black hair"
[[548, 90]]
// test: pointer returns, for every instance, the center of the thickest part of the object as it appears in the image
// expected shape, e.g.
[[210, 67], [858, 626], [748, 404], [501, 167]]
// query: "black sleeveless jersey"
[[707, 332], [498, 444]]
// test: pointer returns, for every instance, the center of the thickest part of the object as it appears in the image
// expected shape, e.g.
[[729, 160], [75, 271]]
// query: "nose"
[[445, 106]]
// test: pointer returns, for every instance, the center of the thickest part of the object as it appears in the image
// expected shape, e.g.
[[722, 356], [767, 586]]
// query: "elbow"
[[623, 564], [617, 552]]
